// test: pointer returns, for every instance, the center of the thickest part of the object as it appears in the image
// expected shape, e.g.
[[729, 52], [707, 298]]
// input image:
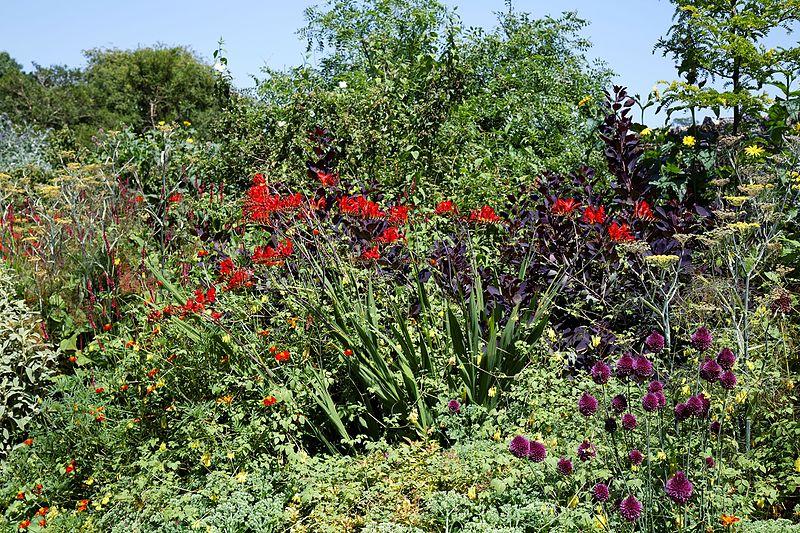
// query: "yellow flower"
[[689, 141], [161, 122], [205, 459], [241, 477], [472, 493], [187, 123], [646, 132], [601, 522], [596, 341], [797, 465], [226, 399], [754, 150], [492, 392], [797, 127], [573, 502], [661, 456], [585, 100], [741, 396], [190, 140]]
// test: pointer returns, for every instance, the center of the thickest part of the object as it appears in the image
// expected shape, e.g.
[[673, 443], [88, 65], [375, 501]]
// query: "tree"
[[724, 40]]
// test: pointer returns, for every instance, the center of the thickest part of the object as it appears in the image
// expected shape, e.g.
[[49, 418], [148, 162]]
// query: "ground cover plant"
[[328, 326]]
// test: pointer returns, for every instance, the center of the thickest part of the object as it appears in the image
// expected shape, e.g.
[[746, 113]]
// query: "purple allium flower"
[[453, 406], [642, 367], [655, 342], [662, 400], [679, 488], [655, 386], [625, 365], [726, 358], [695, 405], [682, 412], [536, 451], [601, 372], [702, 339], [565, 466], [600, 492], [650, 402], [629, 421], [586, 451], [611, 425], [619, 403], [728, 380], [714, 427], [587, 405], [630, 508], [519, 446], [710, 369], [636, 457], [710, 463]]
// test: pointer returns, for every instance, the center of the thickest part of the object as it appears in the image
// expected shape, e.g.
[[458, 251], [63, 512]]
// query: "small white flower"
[[220, 67], [343, 84], [281, 123]]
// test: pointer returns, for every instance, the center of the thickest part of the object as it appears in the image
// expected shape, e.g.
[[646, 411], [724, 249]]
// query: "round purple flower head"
[[537, 452], [601, 373], [679, 488], [586, 451], [611, 425], [619, 403], [650, 402], [600, 492], [714, 427], [642, 367], [726, 358], [630, 508], [682, 411], [655, 342], [710, 370], [629, 421], [655, 386], [519, 446], [727, 380], [625, 365], [636, 457], [587, 405], [453, 406], [565, 466], [695, 405], [710, 463], [662, 400], [702, 339]]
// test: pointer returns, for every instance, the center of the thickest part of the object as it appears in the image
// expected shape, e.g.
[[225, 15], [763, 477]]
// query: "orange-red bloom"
[[642, 210], [592, 215], [565, 207], [82, 505], [21, 495], [100, 390], [24, 524], [484, 215], [28, 442], [348, 352], [42, 511], [371, 254], [619, 233], [107, 327], [446, 208], [282, 356], [728, 520], [270, 400]]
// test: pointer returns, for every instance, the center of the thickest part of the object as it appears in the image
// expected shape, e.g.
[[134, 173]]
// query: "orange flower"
[[152, 373], [107, 327], [28, 442], [21, 495], [282, 356], [24, 524], [263, 333], [69, 469], [72, 359], [82, 505], [38, 489], [348, 352], [42, 522], [42, 511], [124, 387], [728, 519], [202, 253], [129, 344], [270, 400]]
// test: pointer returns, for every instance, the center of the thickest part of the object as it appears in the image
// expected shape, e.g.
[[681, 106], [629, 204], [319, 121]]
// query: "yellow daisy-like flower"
[[585, 100], [187, 123], [646, 132], [689, 141], [190, 140], [754, 150], [241, 477]]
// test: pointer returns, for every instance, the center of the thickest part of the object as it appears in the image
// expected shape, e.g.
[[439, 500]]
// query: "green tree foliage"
[[724, 40], [413, 98], [138, 88]]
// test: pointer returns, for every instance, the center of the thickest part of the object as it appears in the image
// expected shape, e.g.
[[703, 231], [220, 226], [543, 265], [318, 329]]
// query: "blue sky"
[[258, 33]]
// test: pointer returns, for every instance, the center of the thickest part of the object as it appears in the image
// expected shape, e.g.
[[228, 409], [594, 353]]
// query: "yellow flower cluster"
[[661, 261]]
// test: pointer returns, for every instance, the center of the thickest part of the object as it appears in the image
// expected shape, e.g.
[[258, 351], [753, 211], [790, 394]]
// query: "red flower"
[[100, 418], [390, 235], [82, 505], [270, 256], [124, 387], [38, 489], [619, 233], [371, 254], [328, 179], [484, 215], [398, 214], [21, 495], [175, 198], [42, 522], [240, 278], [226, 267], [24, 524], [270, 400], [446, 208], [69, 469], [107, 327], [139, 199], [282, 356], [260, 205], [565, 207], [100, 390], [215, 316], [28, 442], [348, 352], [594, 215], [202, 253], [642, 210], [42, 511], [359, 206], [152, 373]]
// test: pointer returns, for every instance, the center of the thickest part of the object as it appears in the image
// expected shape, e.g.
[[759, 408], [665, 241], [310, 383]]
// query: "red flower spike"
[[593, 215], [484, 215], [619, 233], [565, 207], [641, 210], [446, 208]]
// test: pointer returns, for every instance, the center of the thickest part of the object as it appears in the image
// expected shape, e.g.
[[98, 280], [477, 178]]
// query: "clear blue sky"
[[258, 33]]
